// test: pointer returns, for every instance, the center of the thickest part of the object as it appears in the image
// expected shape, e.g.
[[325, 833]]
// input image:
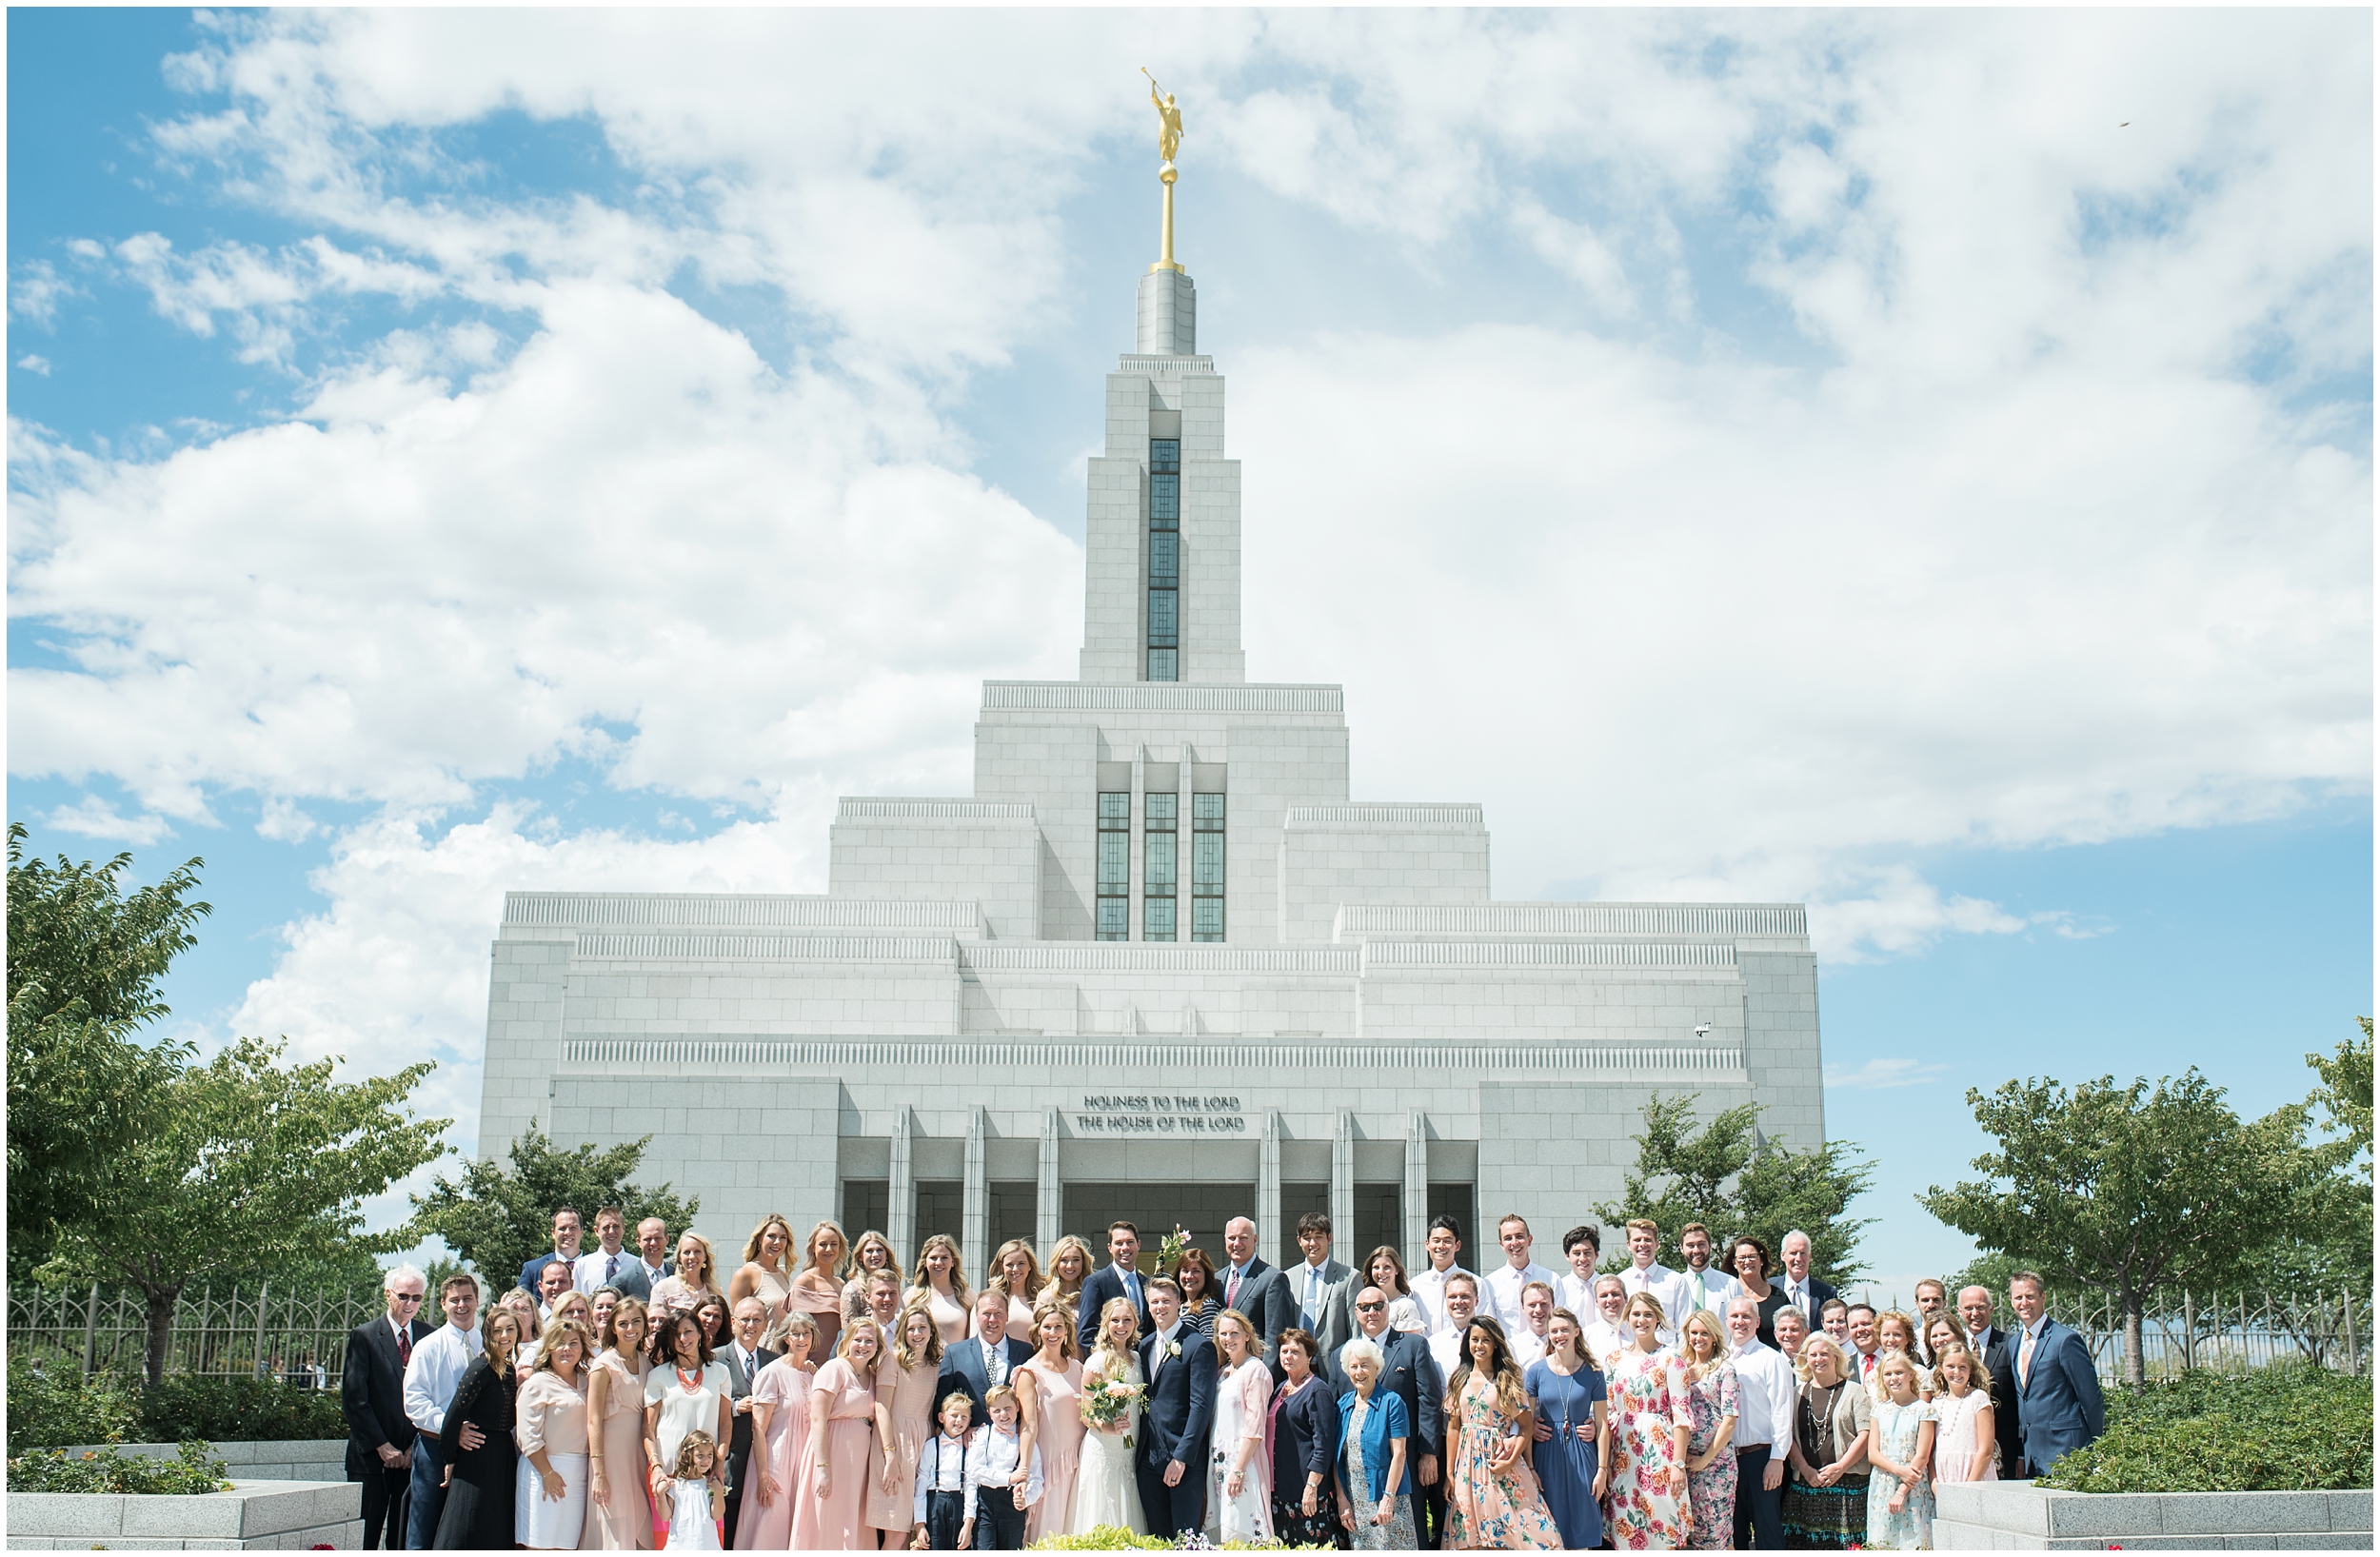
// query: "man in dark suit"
[[1254, 1285], [1117, 1279], [2057, 1385], [566, 1249], [744, 1357], [1170, 1460], [971, 1366], [1989, 1345], [1409, 1372], [1802, 1289], [371, 1392]]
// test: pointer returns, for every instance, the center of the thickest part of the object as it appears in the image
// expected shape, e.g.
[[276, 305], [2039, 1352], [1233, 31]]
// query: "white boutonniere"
[[1173, 1349]]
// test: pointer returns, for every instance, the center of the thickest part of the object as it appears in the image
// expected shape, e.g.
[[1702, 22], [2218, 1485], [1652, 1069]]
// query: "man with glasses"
[[371, 1393], [1409, 1372]]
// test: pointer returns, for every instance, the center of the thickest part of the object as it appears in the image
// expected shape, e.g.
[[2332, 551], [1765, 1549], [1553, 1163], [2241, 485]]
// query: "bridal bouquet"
[[1169, 1248], [1112, 1402]]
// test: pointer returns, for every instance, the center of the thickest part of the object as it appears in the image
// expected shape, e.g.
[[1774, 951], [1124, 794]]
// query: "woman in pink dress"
[[1050, 1390], [830, 1497], [780, 1425], [1017, 1276], [905, 1389], [818, 1291], [618, 1516]]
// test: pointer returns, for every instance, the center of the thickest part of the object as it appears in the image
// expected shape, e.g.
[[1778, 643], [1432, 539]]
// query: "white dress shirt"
[[438, 1366], [1429, 1295], [1499, 1296], [1764, 1412], [1668, 1289], [1527, 1345], [1601, 1340], [1310, 1283], [1442, 1346], [1707, 1288], [1157, 1352], [1577, 1296], [995, 1357], [942, 1468], [590, 1271], [992, 1458], [1799, 1295]]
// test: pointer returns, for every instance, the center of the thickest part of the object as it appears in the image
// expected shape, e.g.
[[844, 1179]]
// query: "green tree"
[[500, 1220], [241, 1164], [1732, 1180], [85, 958], [2345, 1095], [2131, 1188]]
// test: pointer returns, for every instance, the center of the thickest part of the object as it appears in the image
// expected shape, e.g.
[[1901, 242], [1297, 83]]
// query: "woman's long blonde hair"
[[1058, 1253], [996, 1280], [1103, 1346], [922, 1281], [752, 1245], [900, 1352], [710, 1262], [1701, 1319], [836, 1271], [873, 1240]]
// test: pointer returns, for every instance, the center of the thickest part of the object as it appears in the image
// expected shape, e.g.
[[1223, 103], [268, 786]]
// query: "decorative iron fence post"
[[2346, 1313], [90, 1332], [2189, 1332]]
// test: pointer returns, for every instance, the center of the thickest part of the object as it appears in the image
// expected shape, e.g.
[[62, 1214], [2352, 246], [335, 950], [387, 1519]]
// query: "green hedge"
[[47, 1471], [63, 1408], [2290, 1428]]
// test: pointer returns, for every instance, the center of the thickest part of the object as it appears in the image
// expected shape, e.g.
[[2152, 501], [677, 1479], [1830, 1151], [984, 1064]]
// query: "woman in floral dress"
[[1492, 1503], [1652, 1417], [1712, 1391]]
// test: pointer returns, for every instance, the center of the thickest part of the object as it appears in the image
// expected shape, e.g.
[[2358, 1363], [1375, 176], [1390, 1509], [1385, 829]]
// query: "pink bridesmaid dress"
[[836, 1522], [1057, 1434], [785, 1390]]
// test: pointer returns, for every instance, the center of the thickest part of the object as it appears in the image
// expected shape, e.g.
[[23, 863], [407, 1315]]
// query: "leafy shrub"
[[47, 1471], [58, 1406], [2290, 1428], [235, 1409]]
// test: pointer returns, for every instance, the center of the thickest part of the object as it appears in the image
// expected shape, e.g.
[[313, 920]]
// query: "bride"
[[1105, 1489]]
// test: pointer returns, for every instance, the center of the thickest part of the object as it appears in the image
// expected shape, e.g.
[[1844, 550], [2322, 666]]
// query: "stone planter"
[[2021, 1516], [254, 1515], [260, 1459]]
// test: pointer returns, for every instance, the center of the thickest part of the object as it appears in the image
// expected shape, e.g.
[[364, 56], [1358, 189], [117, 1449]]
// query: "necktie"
[[1314, 1290], [2024, 1361], [405, 1346], [995, 1365], [1132, 1287], [612, 1268], [1231, 1291]]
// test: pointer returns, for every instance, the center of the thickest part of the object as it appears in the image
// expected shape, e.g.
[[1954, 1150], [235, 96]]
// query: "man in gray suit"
[[744, 1359], [1322, 1289]]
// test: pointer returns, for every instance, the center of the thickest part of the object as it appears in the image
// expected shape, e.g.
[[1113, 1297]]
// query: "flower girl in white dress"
[[1105, 1489]]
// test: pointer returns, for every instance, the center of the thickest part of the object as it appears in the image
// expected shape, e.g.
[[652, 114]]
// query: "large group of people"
[[817, 1396]]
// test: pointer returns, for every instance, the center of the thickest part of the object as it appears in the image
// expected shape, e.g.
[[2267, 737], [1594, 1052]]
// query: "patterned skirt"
[[1825, 1518], [1291, 1528]]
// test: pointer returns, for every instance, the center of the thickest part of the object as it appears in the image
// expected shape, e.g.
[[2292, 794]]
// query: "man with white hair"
[[371, 1395], [1802, 1289]]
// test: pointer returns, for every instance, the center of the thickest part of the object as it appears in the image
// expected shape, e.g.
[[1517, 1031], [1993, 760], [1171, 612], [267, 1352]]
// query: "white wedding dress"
[[1105, 1489]]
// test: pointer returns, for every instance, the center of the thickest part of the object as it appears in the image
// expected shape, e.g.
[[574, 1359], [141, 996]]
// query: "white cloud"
[[1877, 1075], [95, 818], [36, 291], [284, 823], [2053, 545], [35, 363]]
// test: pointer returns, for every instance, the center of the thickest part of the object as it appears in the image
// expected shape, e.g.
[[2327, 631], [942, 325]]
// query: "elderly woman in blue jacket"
[[1375, 1487]]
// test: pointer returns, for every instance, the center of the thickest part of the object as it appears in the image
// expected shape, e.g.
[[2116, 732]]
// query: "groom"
[[1170, 1462]]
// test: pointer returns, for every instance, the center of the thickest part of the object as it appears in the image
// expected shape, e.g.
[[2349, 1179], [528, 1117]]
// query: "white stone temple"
[[1159, 965]]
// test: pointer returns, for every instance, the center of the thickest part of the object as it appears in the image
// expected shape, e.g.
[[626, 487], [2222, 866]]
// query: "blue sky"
[[1916, 464]]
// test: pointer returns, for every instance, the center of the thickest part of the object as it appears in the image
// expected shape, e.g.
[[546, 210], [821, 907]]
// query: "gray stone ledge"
[[253, 1514], [2010, 1516]]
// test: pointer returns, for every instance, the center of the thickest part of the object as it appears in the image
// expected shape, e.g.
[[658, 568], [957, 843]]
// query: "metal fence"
[[299, 1336], [2245, 1328]]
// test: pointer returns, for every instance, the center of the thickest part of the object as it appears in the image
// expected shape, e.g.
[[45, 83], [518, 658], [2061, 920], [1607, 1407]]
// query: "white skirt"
[[545, 1522]]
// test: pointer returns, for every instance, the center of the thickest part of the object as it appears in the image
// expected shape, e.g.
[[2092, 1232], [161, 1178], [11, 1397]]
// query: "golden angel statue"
[[1168, 119]]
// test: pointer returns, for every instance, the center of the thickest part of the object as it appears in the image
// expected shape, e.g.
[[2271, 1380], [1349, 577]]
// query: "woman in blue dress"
[[1570, 1435]]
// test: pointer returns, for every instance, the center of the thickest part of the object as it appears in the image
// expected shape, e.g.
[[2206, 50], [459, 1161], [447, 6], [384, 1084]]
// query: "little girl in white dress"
[[696, 1503]]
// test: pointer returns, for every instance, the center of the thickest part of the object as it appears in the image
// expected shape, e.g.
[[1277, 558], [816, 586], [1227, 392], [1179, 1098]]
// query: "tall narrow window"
[[1206, 867], [1162, 866], [1165, 559], [1115, 867]]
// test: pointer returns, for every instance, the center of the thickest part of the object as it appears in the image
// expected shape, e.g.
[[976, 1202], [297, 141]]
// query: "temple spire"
[[1168, 142]]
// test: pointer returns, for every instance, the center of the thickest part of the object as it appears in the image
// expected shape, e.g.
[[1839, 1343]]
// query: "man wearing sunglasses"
[[371, 1393]]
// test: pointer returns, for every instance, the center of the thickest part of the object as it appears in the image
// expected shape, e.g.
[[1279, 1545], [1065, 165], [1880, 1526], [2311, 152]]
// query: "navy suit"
[[633, 1282], [2059, 1399], [1821, 1295], [536, 1268], [1409, 1372], [1999, 1360], [963, 1369], [1181, 1417], [371, 1393], [1102, 1284]]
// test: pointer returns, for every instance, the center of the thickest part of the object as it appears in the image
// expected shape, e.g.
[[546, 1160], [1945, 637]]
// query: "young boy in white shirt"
[[1003, 1478]]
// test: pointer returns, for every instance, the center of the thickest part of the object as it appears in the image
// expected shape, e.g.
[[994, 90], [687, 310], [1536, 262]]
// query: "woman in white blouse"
[[684, 1391], [549, 1508]]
